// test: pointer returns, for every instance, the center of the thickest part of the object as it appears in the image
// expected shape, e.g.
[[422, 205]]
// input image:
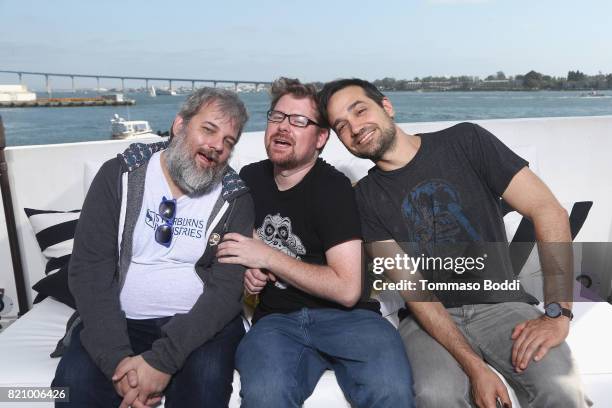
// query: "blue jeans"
[[205, 380], [282, 357]]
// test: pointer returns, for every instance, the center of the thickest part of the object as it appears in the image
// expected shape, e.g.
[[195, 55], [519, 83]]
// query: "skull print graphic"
[[276, 231]]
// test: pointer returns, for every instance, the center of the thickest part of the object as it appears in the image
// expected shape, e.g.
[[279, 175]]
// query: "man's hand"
[[255, 280], [128, 381], [487, 387], [533, 338], [238, 249], [151, 382], [126, 386]]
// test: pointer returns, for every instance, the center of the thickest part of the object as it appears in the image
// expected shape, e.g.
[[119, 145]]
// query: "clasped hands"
[[139, 384]]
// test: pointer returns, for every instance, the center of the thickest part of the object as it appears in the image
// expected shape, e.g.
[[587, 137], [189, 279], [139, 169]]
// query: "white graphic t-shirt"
[[161, 281]]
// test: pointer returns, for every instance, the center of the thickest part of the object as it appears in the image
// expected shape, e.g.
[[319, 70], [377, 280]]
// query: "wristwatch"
[[555, 310]]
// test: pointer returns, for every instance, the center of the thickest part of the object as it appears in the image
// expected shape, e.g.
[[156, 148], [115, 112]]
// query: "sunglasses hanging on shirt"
[[163, 232]]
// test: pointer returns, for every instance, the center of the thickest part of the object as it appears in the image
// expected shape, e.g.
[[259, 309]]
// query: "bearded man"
[[158, 314], [314, 313], [439, 192]]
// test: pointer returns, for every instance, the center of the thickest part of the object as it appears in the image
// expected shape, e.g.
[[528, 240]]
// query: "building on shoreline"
[[16, 93]]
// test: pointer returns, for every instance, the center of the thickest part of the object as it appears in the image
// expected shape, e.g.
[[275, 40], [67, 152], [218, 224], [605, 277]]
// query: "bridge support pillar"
[[170, 83], [122, 85], [73, 88], [48, 85], [192, 86], [235, 86], [98, 85], [147, 84], [20, 78]]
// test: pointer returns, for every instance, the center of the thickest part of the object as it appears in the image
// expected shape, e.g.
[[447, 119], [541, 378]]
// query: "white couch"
[[55, 177]]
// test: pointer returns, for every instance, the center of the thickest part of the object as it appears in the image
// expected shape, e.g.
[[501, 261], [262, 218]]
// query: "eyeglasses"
[[163, 232], [295, 120]]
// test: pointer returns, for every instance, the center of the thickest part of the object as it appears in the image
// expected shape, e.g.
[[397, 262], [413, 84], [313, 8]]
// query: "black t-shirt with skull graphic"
[[303, 222], [446, 202]]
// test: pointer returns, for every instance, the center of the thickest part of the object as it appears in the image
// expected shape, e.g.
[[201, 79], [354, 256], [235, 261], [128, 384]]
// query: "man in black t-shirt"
[[438, 194], [305, 264]]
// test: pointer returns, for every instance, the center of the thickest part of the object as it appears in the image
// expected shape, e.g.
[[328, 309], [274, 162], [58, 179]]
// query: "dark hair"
[[332, 87], [292, 86]]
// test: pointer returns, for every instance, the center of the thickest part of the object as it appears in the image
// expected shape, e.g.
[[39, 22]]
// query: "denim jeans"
[[282, 357], [439, 381], [205, 380]]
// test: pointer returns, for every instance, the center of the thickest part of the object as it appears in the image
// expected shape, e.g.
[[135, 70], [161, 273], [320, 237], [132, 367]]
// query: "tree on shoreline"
[[532, 80]]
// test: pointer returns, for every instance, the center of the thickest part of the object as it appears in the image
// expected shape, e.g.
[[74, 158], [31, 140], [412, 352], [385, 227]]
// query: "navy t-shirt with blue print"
[[445, 201]]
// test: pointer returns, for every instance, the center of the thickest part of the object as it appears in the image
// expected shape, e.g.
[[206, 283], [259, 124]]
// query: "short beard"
[[287, 162], [184, 171], [385, 143]]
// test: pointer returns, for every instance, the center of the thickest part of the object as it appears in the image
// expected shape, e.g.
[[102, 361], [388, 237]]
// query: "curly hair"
[[292, 86]]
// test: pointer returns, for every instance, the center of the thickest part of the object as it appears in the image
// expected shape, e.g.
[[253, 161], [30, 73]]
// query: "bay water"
[[33, 126]]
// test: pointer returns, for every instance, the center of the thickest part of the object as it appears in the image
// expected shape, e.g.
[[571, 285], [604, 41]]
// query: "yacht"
[[128, 129], [167, 91]]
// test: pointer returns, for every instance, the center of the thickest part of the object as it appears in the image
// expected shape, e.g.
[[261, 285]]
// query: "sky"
[[312, 40]]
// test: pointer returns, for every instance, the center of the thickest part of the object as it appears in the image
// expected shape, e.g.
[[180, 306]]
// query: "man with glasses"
[[305, 264], [159, 315]]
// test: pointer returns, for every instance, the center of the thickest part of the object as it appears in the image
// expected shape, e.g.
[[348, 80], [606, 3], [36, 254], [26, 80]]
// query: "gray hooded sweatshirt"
[[102, 254]]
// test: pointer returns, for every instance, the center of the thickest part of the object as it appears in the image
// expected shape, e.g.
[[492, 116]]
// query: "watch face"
[[553, 310]]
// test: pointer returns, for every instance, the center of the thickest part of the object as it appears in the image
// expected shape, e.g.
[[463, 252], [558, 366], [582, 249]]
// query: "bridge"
[[123, 78]]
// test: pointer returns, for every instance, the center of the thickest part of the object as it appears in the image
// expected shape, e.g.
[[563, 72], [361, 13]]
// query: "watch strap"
[[567, 313]]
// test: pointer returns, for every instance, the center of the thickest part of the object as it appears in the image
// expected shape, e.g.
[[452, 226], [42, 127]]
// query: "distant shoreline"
[[424, 90], [65, 125], [494, 90]]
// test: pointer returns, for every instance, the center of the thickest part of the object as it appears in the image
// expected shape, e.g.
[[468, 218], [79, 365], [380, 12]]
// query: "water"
[[29, 126]]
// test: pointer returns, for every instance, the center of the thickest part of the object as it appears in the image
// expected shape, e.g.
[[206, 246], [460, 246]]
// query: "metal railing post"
[[11, 227]]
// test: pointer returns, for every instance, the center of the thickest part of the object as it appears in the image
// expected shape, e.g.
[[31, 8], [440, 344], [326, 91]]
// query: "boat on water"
[[129, 129], [152, 92], [592, 94], [166, 92]]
